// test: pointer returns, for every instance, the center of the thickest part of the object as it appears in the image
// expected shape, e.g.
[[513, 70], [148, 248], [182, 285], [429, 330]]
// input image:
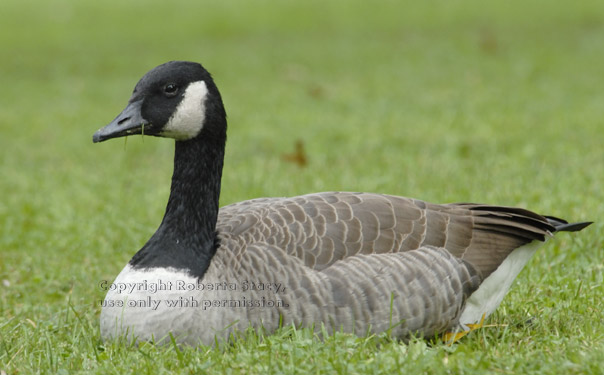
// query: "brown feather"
[[321, 229]]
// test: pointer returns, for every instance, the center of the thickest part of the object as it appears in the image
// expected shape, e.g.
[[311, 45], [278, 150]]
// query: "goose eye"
[[170, 89]]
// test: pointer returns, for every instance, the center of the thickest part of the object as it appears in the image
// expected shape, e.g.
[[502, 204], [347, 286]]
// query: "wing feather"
[[321, 229]]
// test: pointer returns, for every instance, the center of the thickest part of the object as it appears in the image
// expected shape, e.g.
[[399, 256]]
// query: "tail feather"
[[562, 225]]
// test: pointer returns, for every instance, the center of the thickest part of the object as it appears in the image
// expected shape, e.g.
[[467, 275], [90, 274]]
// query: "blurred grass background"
[[498, 102]]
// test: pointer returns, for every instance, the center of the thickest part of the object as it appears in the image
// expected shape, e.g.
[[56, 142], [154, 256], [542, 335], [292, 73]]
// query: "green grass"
[[497, 102]]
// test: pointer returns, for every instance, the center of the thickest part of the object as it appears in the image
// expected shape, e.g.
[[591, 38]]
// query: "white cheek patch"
[[187, 120]]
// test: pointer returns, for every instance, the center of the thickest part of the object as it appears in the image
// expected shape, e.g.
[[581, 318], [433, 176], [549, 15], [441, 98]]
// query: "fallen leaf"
[[298, 157]]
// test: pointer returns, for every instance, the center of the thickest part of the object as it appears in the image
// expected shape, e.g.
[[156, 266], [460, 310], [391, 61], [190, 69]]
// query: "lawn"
[[496, 102]]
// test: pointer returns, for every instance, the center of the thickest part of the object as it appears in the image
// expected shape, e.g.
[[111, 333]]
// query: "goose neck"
[[192, 208]]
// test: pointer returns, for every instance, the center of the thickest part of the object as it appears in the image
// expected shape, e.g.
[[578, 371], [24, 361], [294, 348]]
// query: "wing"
[[321, 229]]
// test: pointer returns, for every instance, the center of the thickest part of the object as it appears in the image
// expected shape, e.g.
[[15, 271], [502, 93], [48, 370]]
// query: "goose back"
[[323, 228]]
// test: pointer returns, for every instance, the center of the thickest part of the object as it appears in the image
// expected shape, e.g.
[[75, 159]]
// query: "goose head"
[[176, 100], [179, 100]]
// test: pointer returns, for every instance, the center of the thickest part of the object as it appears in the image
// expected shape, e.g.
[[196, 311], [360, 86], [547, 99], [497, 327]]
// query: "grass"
[[497, 102]]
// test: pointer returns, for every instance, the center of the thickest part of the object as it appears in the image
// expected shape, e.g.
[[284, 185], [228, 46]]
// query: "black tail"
[[564, 226]]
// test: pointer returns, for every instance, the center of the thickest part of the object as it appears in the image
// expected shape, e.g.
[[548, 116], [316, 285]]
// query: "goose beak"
[[129, 122]]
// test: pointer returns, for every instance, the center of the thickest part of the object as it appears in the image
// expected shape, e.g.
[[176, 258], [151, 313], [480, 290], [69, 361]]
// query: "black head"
[[177, 100]]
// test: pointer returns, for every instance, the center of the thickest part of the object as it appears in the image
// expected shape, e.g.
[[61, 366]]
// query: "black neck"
[[193, 205], [186, 239]]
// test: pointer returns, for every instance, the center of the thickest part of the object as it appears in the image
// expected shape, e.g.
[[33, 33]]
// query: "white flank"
[[492, 290], [187, 120]]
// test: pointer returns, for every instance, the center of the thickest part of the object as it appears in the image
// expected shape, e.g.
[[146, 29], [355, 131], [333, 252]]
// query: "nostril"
[[120, 122]]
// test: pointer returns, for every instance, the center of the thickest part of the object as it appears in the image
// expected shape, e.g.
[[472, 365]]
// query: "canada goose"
[[356, 262]]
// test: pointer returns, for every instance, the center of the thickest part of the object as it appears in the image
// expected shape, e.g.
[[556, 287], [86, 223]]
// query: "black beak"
[[129, 122]]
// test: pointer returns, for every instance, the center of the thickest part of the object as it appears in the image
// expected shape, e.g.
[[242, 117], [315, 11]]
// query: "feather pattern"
[[321, 229], [420, 291]]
